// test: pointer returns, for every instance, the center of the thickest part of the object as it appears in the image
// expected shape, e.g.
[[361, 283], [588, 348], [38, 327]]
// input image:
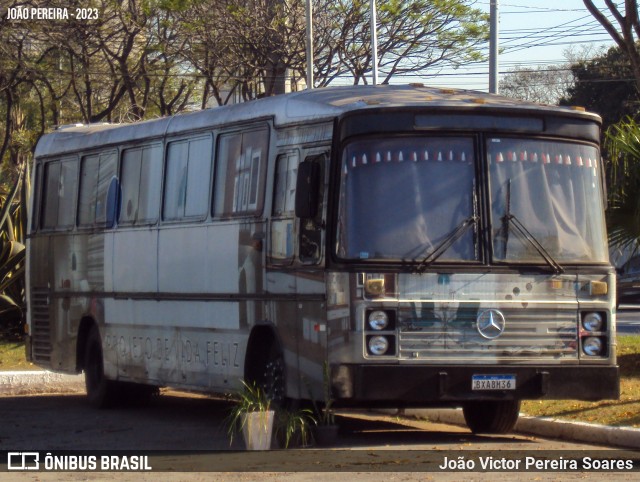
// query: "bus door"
[[295, 277]]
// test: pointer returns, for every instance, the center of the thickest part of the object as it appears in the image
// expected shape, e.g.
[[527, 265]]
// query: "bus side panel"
[[343, 339], [173, 342], [299, 314], [219, 260], [62, 268], [283, 312], [134, 265], [68, 274], [312, 348], [192, 331]]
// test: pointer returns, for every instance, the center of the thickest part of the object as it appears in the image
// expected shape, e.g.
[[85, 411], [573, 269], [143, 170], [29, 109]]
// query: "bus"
[[406, 246]]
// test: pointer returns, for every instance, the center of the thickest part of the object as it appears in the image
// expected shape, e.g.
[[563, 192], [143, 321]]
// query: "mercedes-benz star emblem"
[[490, 324]]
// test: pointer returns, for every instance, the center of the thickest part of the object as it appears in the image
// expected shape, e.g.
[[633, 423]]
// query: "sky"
[[532, 33]]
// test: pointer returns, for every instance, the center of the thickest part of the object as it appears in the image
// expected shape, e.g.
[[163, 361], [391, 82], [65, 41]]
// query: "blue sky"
[[532, 33]]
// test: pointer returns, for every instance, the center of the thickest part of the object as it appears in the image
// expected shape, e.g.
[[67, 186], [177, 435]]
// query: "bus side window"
[[282, 248], [96, 174], [141, 177], [242, 166], [187, 179], [61, 178], [108, 171], [36, 208], [51, 198], [308, 204]]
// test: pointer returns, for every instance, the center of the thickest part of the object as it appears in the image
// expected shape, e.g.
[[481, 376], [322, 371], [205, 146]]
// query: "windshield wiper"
[[446, 243], [511, 218], [517, 224]]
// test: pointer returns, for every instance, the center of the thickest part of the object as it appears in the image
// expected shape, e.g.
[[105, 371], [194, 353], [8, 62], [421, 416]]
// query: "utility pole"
[[374, 42], [309, 45], [493, 48]]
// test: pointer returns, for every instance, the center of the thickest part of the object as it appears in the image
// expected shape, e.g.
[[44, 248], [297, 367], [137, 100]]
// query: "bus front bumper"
[[401, 385]]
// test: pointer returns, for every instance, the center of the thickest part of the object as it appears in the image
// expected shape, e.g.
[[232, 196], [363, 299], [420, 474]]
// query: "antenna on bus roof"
[[80, 124], [68, 126]]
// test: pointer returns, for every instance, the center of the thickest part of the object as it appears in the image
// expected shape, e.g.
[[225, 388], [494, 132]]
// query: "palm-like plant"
[[13, 222], [623, 216]]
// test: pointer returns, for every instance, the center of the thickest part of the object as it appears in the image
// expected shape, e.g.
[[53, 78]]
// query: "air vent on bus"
[[40, 325]]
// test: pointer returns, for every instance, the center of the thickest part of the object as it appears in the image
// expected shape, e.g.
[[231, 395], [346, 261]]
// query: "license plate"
[[493, 382]]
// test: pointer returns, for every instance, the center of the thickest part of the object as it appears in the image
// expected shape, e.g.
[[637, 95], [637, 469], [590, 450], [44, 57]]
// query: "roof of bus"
[[308, 105]]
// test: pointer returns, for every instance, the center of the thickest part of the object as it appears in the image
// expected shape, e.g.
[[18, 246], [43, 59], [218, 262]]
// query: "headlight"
[[592, 321], [378, 320], [592, 346], [378, 345]]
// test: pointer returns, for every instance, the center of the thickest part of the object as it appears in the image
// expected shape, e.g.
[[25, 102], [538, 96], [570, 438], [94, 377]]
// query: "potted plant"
[[294, 427], [252, 415], [326, 431]]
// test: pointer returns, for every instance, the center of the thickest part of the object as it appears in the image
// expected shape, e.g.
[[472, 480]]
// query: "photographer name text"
[[40, 13], [535, 464]]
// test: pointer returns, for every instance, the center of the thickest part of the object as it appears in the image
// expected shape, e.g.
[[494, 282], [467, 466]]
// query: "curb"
[[623, 437], [39, 382]]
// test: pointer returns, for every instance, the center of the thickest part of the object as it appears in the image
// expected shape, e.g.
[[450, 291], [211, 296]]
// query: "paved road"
[[178, 421], [628, 319], [183, 425]]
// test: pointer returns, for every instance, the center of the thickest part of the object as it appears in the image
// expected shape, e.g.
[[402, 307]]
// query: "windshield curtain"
[[553, 190], [401, 198]]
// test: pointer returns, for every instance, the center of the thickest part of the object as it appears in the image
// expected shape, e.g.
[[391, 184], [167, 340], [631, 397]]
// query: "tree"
[[169, 77], [15, 72], [627, 32], [544, 85], [623, 172], [247, 45], [416, 36], [605, 85]]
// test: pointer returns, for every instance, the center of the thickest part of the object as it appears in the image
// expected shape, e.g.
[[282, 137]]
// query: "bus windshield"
[[415, 200], [410, 199], [547, 193]]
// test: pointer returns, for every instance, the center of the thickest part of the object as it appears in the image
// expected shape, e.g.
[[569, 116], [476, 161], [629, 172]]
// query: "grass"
[[12, 357], [623, 412]]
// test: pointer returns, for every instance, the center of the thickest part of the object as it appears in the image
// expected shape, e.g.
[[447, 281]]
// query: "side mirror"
[[308, 189]]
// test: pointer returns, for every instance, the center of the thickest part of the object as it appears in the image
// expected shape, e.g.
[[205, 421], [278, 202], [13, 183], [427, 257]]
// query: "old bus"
[[428, 247]]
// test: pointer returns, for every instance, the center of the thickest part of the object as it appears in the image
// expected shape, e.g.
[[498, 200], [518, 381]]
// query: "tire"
[[272, 380], [495, 417], [136, 394], [101, 393]]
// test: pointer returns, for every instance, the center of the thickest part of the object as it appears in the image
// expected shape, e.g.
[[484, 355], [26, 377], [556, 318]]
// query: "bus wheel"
[[101, 393], [273, 378], [491, 416]]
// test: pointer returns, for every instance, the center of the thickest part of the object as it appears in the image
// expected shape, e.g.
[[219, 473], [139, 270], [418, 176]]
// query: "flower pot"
[[326, 435], [257, 428]]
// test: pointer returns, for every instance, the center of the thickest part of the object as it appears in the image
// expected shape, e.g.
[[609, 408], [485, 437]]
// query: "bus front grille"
[[528, 335], [40, 325]]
